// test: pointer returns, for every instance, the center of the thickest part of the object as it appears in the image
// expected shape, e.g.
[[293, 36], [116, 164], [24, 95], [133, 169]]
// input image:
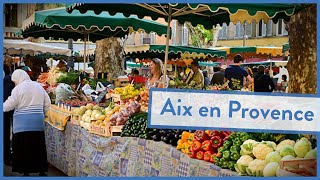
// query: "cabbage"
[[287, 150], [312, 154], [302, 147], [270, 169], [89, 112], [284, 143], [242, 164], [256, 167], [287, 157], [273, 157]]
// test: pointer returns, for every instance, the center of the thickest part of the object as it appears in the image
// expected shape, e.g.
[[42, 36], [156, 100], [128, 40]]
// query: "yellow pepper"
[[184, 147], [190, 138], [188, 149], [184, 136], [180, 145]]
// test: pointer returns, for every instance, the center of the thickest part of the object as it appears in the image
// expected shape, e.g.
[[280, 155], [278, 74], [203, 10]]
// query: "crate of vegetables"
[[100, 128], [115, 130]]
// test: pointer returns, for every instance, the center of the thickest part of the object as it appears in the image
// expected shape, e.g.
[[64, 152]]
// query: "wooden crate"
[[303, 167], [102, 131], [116, 130], [75, 119]]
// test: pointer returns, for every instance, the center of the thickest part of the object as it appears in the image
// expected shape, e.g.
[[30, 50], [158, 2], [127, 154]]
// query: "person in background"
[[197, 75], [235, 75], [206, 79], [135, 73], [62, 66], [249, 71], [155, 79], [263, 82], [284, 83], [70, 64], [218, 77], [8, 86], [30, 103]]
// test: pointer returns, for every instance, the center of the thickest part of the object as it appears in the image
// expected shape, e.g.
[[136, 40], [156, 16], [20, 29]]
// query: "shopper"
[[284, 83], [197, 75], [8, 85], [31, 102], [218, 77], [206, 79], [263, 82], [156, 75], [235, 75]]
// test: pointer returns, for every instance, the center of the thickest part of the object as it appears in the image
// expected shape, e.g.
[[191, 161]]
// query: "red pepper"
[[206, 145], [210, 133], [226, 138], [212, 157], [216, 141], [192, 154], [207, 155], [196, 146], [200, 155], [216, 133], [225, 133], [201, 136]]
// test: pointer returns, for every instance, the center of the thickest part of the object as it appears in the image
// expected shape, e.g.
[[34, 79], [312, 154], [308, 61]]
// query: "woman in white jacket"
[[30, 103]]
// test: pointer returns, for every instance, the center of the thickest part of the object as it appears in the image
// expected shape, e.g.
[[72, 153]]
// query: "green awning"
[[243, 49], [175, 51], [57, 23], [132, 64], [285, 47], [214, 64], [204, 14]]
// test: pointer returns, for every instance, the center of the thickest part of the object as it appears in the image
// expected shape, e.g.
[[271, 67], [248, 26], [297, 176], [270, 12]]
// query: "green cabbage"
[[270, 169], [287, 150], [284, 143], [312, 154], [302, 147], [273, 157]]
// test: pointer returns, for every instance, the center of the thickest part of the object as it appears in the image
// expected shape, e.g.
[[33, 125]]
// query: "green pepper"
[[221, 149], [244, 136], [235, 156], [231, 165], [237, 142], [235, 148], [227, 143], [233, 135], [225, 164], [222, 159], [265, 136], [217, 161], [226, 155]]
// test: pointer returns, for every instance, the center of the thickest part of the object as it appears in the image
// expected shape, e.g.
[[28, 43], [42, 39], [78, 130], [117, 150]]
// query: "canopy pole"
[[167, 46], [176, 75], [85, 53], [244, 33]]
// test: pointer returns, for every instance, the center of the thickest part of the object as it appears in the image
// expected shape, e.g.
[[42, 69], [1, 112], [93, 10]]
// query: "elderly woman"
[[30, 103], [156, 75]]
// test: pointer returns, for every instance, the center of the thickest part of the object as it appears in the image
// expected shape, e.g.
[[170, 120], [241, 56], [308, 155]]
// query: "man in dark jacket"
[[218, 77], [8, 85], [263, 82]]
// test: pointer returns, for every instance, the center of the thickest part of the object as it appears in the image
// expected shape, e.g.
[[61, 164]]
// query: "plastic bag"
[[63, 92], [85, 87], [100, 87]]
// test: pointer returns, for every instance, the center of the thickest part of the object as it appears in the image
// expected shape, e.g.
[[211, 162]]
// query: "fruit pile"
[[202, 145], [120, 118], [143, 99], [129, 91], [43, 77], [78, 103]]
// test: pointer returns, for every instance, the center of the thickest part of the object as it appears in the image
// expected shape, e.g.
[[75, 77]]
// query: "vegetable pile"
[[202, 145], [263, 158], [120, 118]]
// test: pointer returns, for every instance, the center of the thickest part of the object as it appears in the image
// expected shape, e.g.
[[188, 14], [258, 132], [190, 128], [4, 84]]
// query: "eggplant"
[[174, 142], [156, 137]]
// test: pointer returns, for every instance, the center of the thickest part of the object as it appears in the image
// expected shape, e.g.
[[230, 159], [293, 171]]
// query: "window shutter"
[[269, 28], [241, 29], [185, 36], [141, 38], [152, 38], [224, 31], [264, 29], [249, 29], [174, 29], [284, 31]]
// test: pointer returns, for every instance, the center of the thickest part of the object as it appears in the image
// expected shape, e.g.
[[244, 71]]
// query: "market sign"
[[190, 109]]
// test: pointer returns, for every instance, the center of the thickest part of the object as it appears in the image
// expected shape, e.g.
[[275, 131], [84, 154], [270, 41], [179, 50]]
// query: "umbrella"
[[27, 47], [205, 14], [57, 23]]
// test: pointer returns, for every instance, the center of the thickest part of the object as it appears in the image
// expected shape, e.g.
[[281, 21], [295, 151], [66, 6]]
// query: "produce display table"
[[76, 152]]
